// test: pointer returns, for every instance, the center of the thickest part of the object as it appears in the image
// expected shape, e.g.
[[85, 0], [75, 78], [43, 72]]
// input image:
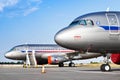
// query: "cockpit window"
[[89, 22], [74, 23], [82, 22]]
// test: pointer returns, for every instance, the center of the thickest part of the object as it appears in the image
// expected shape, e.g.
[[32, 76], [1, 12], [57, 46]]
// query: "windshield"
[[82, 22], [74, 23]]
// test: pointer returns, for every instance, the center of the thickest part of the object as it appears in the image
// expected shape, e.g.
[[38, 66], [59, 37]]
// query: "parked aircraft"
[[34, 54], [97, 32]]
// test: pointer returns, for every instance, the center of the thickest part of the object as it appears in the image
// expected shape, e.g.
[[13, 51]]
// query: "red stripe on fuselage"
[[54, 51]]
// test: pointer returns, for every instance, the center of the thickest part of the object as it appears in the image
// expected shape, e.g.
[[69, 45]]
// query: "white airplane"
[[97, 32], [34, 54]]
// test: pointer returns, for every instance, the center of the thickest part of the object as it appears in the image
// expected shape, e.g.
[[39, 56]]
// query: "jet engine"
[[115, 58], [56, 59]]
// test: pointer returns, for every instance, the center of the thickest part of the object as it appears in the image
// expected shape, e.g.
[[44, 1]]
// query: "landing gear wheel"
[[105, 67], [61, 65], [71, 64]]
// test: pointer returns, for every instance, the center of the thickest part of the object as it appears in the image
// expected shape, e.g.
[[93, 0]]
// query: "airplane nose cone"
[[68, 38], [61, 38], [58, 38], [8, 55]]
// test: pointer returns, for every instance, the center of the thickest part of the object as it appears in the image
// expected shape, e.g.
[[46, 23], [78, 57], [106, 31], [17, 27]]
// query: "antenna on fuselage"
[[108, 9]]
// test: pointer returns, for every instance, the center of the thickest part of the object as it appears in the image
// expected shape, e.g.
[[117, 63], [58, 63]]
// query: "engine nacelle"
[[115, 58], [56, 59]]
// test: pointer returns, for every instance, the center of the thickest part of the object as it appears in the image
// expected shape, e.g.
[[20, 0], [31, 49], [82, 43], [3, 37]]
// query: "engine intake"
[[115, 57], [56, 59]]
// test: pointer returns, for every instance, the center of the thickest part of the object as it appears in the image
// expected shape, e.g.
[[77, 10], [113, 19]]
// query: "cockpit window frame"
[[83, 22], [74, 23], [90, 22], [78, 22]]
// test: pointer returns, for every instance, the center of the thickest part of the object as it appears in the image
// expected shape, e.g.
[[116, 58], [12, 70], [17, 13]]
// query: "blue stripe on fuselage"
[[25, 51], [110, 27]]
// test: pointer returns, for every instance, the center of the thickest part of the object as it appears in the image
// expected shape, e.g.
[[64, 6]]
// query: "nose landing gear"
[[105, 67]]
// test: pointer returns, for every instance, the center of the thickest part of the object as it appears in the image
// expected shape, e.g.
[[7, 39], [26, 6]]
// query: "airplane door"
[[113, 23]]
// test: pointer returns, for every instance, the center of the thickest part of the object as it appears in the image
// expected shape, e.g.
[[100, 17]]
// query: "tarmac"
[[58, 73]]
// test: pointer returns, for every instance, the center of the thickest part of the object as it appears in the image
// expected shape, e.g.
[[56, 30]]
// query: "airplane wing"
[[78, 56], [63, 57]]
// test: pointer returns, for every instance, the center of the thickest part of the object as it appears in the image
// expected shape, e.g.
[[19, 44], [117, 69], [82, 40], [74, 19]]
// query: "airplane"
[[97, 32], [34, 54]]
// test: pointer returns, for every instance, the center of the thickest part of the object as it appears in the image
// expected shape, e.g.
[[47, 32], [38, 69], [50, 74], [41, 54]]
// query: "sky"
[[37, 21]]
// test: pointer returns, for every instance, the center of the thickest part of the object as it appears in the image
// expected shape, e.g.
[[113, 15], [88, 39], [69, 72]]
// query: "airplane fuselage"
[[47, 53], [98, 32], [41, 51]]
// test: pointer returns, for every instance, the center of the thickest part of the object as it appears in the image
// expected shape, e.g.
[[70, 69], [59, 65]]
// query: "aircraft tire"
[[72, 64], [61, 65], [105, 67]]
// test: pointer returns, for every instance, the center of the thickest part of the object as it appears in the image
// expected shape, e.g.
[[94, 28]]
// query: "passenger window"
[[89, 22]]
